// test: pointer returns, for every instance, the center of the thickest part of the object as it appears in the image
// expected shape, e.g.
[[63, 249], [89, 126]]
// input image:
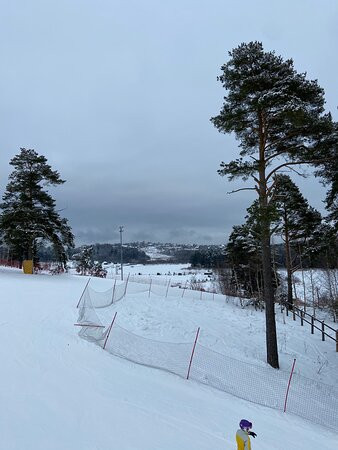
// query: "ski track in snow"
[[60, 392]]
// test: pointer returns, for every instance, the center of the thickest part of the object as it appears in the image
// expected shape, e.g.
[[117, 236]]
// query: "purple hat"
[[245, 424]]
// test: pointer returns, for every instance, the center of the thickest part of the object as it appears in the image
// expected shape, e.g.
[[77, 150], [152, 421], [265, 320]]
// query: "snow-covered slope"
[[58, 391]]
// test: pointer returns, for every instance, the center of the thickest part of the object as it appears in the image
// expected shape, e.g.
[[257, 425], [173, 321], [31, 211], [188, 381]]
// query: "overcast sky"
[[118, 96]]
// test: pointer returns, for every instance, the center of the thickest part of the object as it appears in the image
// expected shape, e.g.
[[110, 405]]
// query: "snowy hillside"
[[61, 392]]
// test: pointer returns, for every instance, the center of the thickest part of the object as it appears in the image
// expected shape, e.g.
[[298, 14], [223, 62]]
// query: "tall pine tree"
[[278, 117], [28, 211]]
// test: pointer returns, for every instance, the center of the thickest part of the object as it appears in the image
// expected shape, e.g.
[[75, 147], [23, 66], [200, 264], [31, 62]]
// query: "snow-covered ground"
[[59, 392], [310, 284], [179, 274], [154, 253], [225, 327]]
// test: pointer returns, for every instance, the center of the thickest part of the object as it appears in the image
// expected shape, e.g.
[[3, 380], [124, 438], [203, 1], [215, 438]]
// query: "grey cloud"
[[118, 97]]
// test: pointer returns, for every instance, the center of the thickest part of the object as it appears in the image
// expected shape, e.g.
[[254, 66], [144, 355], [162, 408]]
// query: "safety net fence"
[[120, 289], [265, 386], [160, 286]]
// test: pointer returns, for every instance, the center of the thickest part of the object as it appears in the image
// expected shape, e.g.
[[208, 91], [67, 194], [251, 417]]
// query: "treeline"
[[209, 257], [112, 253]]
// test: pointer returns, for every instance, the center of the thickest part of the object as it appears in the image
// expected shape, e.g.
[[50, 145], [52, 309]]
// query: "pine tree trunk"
[[30, 250], [268, 295], [268, 291]]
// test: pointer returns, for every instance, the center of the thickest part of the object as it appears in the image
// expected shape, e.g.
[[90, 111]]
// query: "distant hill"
[[111, 253]]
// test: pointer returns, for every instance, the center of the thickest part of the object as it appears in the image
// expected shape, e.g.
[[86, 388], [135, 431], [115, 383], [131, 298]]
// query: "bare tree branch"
[[294, 163], [242, 189], [275, 155], [298, 173], [269, 189]]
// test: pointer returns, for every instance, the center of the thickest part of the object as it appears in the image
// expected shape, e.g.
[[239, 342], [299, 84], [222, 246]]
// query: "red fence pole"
[[287, 391], [78, 303], [193, 351], [112, 299], [166, 294], [185, 287], [125, 290], [111, 326]]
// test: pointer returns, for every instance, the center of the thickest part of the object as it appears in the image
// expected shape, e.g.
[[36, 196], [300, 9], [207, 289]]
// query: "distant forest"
[[204, 256], [217, 257]]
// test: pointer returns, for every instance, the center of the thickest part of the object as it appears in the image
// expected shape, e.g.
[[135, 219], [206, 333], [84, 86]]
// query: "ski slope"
[[58, 391]]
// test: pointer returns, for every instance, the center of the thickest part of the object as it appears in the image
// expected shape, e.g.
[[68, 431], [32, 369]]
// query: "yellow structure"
[[27, 266]]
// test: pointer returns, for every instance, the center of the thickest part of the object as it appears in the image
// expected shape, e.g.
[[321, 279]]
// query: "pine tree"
[[329, 173], [244, 250], [298, 222], [84, 260], [243, 253], [28, 211], [278, 117]]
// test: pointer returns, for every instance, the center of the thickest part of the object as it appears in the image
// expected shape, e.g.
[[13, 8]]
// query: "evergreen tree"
[[243, 253], [28, 210], [320, 249], [329, 173], [208, 257], [278, 117], [98, 271], [298, 222], [84, 260]]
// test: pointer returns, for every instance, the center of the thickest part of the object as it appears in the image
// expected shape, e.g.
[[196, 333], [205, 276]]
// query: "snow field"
[[308, 399], [225, 328], [61, 392]]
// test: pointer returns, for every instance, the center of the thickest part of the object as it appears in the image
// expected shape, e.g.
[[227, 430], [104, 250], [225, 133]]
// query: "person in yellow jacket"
[[243, 435]]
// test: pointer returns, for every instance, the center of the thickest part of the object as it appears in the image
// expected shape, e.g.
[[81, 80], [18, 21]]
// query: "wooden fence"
[[315, 323]]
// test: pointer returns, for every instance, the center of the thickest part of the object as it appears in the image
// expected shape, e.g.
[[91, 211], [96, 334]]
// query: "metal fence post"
[[312, 325], [323, 330], [109, 330], [78, 303], [193, 351]]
